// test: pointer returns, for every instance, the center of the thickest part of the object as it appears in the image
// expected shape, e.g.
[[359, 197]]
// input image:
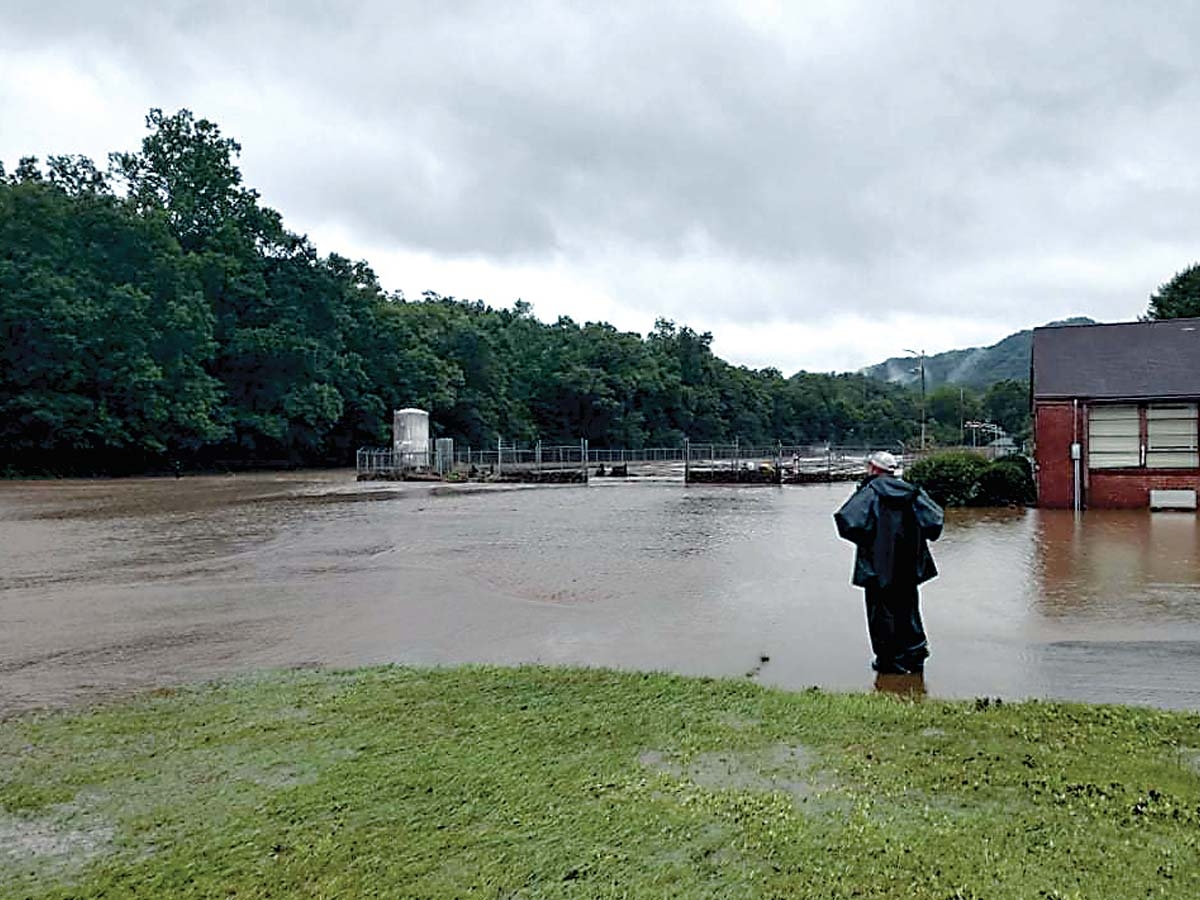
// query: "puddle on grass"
[[739, 723], [1190, 757], [284, 774], [711, 846], [782, 768], [63, 839]]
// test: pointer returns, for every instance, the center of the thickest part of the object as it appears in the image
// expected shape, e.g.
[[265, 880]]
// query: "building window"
[[1114, 437], [1171, 436]]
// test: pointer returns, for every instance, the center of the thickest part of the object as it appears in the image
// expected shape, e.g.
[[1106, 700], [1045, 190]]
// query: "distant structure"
[[443, 460], [1115, 422], [1002, 446], [410, 438]]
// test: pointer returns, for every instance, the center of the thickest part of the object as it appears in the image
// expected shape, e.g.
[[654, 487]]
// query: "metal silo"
[[410, 438]]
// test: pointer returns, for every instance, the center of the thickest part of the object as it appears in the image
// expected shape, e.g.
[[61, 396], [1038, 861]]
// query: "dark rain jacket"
[[890, 522]]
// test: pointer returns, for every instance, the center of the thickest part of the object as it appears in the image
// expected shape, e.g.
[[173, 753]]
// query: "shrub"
[[1017, 459], [951, 478], [961, 478], [1006, 482]]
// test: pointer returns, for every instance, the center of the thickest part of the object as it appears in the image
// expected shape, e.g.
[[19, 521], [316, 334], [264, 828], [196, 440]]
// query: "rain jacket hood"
[[892, 490], [891, 522]]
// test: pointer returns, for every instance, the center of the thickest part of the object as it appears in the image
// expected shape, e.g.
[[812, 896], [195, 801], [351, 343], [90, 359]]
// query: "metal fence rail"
[[387, 463], [370, 462], [557, 456]]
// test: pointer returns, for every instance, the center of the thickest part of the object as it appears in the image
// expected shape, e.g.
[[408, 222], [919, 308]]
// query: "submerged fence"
[[792, 461], [443, 459]]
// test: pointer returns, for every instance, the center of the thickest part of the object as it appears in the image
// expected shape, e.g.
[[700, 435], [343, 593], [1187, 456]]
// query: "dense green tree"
[[947, 408], [176, 318], [188, 170], [1179, 297], [104, 332], [295, 381], [1007, 403]]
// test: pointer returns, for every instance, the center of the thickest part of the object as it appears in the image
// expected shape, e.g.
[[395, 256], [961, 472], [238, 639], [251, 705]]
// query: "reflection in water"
[[1129, 566], [907, 687]]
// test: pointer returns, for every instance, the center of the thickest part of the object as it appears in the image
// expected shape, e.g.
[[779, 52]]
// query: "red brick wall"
[[1113, 489], [1102, 488], [1052, 433]]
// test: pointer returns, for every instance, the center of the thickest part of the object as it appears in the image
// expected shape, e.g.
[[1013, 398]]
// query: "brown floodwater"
[[108, 587]]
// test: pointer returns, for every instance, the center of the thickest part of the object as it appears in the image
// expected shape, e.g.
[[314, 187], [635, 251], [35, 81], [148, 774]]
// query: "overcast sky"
[[820, 185]]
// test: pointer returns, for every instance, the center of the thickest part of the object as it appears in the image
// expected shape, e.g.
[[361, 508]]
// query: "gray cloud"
[[1014, 162]]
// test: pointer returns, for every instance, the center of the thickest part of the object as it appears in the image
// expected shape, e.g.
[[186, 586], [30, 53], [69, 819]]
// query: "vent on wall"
[[1172, 499]]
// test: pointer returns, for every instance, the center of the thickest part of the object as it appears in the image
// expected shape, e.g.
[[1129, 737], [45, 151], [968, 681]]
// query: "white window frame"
[[1171, 437], [1114, 436]]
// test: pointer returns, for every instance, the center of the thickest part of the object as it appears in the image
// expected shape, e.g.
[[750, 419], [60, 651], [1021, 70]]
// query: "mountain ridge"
[[973, 367]]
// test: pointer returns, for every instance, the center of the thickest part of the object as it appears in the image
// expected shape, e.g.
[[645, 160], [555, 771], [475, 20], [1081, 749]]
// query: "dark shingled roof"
[[1124, 361]]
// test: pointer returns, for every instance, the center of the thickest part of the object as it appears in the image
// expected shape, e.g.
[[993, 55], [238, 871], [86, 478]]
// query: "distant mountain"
[[975, 367]]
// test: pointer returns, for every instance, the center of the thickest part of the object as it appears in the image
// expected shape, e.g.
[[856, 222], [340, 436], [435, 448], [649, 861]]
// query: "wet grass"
[[566, 783]]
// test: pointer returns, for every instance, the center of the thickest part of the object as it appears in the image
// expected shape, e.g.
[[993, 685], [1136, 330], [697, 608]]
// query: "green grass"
[[588, 783]]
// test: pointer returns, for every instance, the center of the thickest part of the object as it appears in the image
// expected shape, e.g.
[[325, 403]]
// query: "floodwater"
[[108, 587]]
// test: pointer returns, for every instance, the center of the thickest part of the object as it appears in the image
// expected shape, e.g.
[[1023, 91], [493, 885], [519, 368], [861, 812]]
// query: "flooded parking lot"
[[112, 586]]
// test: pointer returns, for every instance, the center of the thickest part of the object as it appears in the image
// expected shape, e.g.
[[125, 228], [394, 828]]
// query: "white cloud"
[[815, 183]]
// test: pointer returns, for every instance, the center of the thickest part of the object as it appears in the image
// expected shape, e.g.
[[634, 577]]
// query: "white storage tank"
[[410, 438]]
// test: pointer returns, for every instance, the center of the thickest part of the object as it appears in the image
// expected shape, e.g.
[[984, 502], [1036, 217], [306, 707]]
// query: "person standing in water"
[[890, 522]]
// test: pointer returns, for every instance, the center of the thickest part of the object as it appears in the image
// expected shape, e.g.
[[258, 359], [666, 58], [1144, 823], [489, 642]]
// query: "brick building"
[[1125, 397]]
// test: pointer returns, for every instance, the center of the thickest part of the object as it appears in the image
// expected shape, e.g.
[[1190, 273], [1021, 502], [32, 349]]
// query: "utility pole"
[[920, 354], [962, 418]]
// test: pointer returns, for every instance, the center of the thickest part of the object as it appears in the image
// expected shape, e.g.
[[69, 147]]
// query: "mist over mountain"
[[974, 367]]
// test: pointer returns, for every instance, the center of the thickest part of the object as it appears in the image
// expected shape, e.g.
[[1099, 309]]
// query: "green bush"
[[1016, 459], [961, 478], [1006, 483], [951, 478]]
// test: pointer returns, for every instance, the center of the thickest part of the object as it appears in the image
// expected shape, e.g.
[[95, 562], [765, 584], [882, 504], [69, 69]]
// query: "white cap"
[[881, 459]]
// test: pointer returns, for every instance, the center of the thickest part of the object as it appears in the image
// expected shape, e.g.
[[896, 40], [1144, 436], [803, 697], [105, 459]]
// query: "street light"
[[920, 354], [990, 427]]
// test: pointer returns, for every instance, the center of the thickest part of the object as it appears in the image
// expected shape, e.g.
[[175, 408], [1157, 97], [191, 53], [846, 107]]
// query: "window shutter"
[[1171, 436], [1114, 437]]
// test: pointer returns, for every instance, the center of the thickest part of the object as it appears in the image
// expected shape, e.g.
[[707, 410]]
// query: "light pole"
[[962, 417], [920, 354]]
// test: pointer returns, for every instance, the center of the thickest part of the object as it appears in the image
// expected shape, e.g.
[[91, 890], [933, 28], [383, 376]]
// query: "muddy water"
[[113, 586]]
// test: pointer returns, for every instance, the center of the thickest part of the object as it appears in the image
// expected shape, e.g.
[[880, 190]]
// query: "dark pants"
[[894, 622]]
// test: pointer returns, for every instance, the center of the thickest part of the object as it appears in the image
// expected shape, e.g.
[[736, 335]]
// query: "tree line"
[[156, 314]]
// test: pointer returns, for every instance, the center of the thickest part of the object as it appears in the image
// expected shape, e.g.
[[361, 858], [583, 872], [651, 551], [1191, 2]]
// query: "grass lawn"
[[538, 782]]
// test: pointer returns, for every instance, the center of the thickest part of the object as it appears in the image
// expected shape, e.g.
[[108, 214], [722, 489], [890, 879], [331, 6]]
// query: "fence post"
[[499, 454], [687, 460]]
